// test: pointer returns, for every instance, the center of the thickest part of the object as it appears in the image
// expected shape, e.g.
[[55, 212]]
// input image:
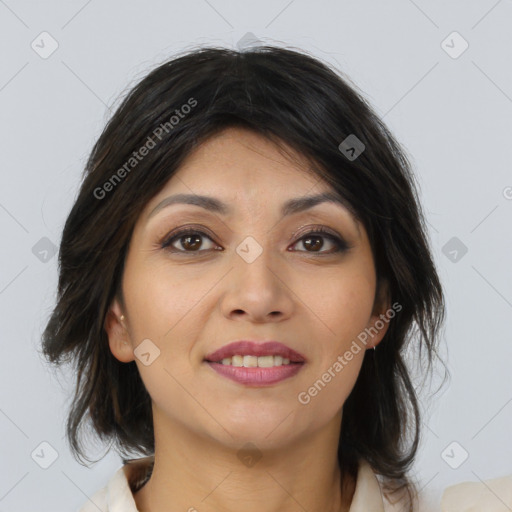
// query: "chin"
[[275, 424]]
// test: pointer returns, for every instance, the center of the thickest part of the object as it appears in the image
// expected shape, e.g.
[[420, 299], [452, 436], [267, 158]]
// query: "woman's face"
[[249, 273]]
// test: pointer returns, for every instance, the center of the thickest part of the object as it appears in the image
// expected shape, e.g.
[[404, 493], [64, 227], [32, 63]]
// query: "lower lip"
[[257, 376]]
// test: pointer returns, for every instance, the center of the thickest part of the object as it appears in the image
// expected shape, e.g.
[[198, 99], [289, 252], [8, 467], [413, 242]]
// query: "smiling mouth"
[[256, 371], [249, 361]]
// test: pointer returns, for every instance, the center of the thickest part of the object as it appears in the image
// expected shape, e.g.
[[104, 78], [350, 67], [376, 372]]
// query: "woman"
[[244, 268]]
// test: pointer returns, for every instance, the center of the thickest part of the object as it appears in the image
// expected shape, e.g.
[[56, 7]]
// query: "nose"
[[258, 290]]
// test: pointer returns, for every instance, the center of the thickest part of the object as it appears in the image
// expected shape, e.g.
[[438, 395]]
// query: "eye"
[[313, 241], [188, 238]]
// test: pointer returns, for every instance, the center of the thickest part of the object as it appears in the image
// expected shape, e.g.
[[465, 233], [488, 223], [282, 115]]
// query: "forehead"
[[241, 149], [238, 169], [245, 165]]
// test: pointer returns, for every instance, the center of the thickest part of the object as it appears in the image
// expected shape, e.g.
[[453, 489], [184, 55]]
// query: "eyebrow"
[[215, 205]]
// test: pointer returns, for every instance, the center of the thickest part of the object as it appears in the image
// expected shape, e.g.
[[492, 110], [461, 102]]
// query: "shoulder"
[[107, 498], [98, 501], [117, 494], [493, 495], [398, 499], [484, 496]]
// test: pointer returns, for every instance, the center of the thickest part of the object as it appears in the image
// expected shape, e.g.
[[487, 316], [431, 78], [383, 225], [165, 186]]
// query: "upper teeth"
[[255, 361]]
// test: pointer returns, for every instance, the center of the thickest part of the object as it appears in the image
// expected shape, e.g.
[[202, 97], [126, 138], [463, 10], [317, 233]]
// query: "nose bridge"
[[254, 258], [256, 288], [257, 240]]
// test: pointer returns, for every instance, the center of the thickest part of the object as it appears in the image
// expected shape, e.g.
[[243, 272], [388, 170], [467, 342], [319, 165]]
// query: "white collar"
[[117, 495]]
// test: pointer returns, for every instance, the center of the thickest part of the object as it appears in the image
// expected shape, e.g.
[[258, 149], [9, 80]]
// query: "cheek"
[[345, 306], [159, 300], [326, 395], [166, 308]]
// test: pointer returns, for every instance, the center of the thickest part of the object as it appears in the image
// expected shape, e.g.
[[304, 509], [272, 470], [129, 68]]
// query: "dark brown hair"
[[287, 96]]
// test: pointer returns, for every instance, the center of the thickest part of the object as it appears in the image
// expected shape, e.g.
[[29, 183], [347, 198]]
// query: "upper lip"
[[253, 348]]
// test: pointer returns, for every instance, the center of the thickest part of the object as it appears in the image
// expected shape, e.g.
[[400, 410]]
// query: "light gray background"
[[453, 115]]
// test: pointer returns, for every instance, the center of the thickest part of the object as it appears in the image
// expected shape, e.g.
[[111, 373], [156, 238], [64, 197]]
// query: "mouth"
[[256, 364], [248, 350], [250, 361], [257, 376]]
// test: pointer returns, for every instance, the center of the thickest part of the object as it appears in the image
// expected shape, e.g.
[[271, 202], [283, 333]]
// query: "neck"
[[196, 473]]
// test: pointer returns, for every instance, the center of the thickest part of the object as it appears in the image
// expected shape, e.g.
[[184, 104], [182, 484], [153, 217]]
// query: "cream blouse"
[[117, 495]]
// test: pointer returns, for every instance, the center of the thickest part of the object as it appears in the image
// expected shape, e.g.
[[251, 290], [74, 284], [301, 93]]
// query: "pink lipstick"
[[256, 364]]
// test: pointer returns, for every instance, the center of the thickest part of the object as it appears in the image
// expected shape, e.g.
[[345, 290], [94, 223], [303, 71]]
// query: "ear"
[[118, 337], [381, 304]]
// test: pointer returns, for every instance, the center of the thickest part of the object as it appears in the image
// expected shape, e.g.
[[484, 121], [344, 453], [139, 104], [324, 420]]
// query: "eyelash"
[[340, 244]]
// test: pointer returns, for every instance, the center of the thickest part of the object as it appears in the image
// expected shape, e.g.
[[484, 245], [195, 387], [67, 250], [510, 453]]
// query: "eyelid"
[[307, 229]]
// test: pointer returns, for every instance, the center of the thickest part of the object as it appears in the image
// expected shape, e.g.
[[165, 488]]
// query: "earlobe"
[[117, 333]]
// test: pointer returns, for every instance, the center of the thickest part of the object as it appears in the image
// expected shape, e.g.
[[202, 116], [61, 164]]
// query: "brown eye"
[[189, 240], [186, 240], [314, 242]]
